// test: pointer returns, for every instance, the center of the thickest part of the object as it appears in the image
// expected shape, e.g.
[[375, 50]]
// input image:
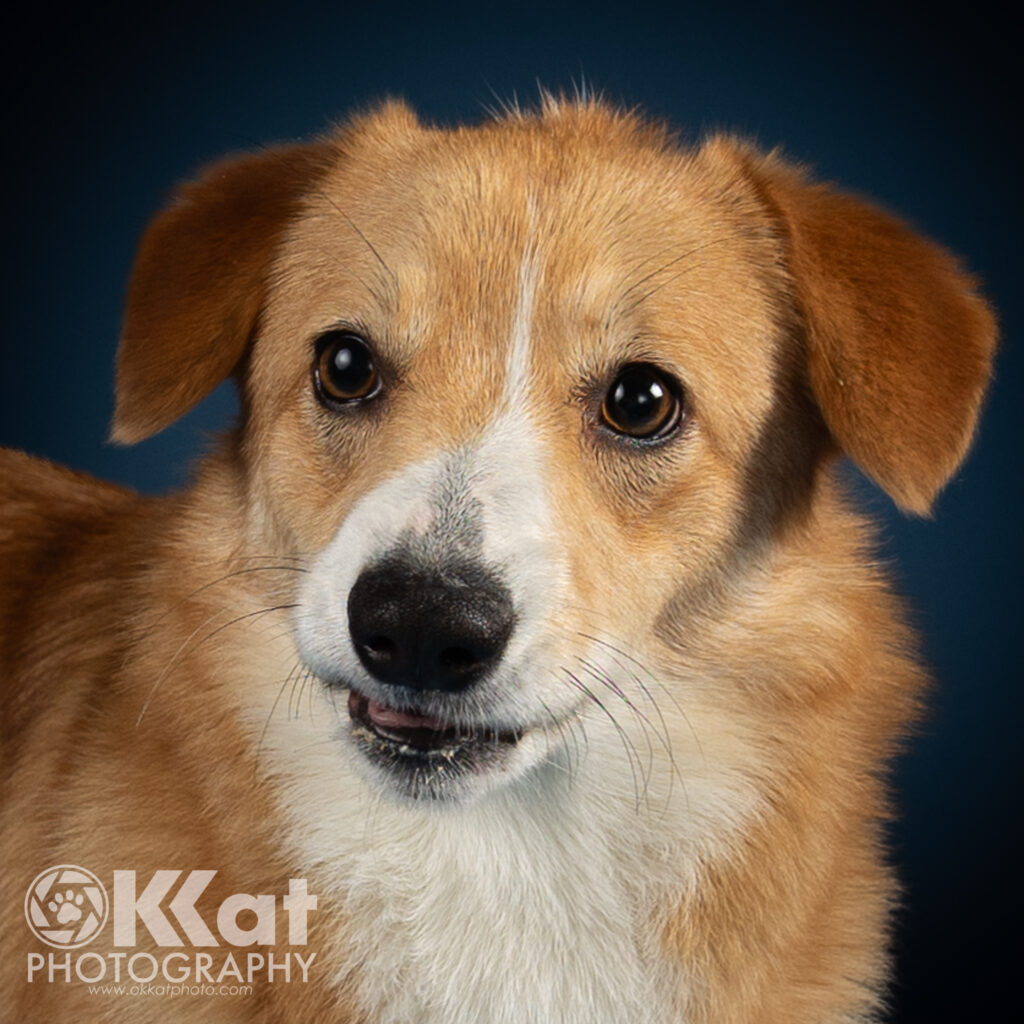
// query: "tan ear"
[[199, 283], [899, 343]]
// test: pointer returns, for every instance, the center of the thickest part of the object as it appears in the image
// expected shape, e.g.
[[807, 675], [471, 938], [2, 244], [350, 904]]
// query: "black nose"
[[429, 629]]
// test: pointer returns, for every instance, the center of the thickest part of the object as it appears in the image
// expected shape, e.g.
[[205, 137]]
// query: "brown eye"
[[643, 402], [344, 370]]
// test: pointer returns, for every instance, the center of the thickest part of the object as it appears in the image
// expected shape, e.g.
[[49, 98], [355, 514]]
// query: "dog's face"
[[522, 419], [523, 397]]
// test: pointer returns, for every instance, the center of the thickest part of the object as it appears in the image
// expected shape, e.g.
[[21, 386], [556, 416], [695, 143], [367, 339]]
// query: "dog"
[[519, 657]]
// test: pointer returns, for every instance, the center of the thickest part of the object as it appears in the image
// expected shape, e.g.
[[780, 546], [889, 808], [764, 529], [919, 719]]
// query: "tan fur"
[[138, 648]]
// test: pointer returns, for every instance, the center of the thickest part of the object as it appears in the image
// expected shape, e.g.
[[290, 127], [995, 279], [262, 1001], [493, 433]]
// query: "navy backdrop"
[[108, 108]]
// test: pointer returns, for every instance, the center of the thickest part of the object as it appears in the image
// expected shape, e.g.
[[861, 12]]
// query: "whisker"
[[373, 289], [209, 636], [309, 690], [606, 680], [283, 158], [331, 697], [643, 688], [657, 288], [643, 263], [560, 726], [663, 735], [178, 605], [355, 227], [273, 707], [631, 755], [315, 743], [672, 263], [305, 685], [656, 681], [291, 696], [242, 618], [622, 652]]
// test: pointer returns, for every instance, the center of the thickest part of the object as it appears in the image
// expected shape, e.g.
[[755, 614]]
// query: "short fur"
[[709, 667]]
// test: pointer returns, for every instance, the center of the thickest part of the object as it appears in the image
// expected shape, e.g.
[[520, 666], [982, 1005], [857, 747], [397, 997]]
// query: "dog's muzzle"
[[429, 638]]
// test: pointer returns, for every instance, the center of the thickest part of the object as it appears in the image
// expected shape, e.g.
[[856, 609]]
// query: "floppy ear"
[[199, 283], [899, 343]]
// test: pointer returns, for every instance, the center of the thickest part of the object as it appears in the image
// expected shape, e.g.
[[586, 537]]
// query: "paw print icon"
[[66, 906]]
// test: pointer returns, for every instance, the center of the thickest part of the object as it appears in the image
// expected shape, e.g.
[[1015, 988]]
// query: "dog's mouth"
[[423, 751]]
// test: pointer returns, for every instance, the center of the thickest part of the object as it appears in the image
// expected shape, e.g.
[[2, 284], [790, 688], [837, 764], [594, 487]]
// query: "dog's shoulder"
[[66, 542], [51, 517], [36, 495], [46, 510]]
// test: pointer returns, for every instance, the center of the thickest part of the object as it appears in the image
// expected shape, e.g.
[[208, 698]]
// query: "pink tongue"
[[392, 718]]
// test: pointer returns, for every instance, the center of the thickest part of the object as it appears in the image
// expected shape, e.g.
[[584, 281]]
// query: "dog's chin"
[[420, 758]]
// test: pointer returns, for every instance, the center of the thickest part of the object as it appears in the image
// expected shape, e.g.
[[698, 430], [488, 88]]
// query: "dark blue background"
[[107, 108]]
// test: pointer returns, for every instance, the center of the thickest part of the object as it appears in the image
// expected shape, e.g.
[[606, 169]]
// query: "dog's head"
[[524, 393]]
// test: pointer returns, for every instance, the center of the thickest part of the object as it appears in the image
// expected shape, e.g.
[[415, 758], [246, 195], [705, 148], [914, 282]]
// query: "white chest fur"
[[536, 906], [493, 916]]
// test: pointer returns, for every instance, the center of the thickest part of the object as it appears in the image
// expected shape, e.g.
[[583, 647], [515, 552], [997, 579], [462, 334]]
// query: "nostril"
[[458, 660], [380, 650]]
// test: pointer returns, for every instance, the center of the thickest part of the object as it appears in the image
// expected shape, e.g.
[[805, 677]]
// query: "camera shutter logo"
[[66, 906]]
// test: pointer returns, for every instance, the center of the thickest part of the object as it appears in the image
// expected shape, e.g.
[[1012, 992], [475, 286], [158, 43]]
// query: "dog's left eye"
[[344, 370], [643, 402]]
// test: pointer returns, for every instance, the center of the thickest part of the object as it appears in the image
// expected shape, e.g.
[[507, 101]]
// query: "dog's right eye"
[[344, 370]]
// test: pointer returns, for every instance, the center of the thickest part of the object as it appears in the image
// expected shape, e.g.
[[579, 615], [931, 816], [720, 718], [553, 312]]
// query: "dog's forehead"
[[585, 249]]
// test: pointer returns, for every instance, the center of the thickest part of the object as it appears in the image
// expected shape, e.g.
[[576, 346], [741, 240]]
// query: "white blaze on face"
[[517, 373]]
